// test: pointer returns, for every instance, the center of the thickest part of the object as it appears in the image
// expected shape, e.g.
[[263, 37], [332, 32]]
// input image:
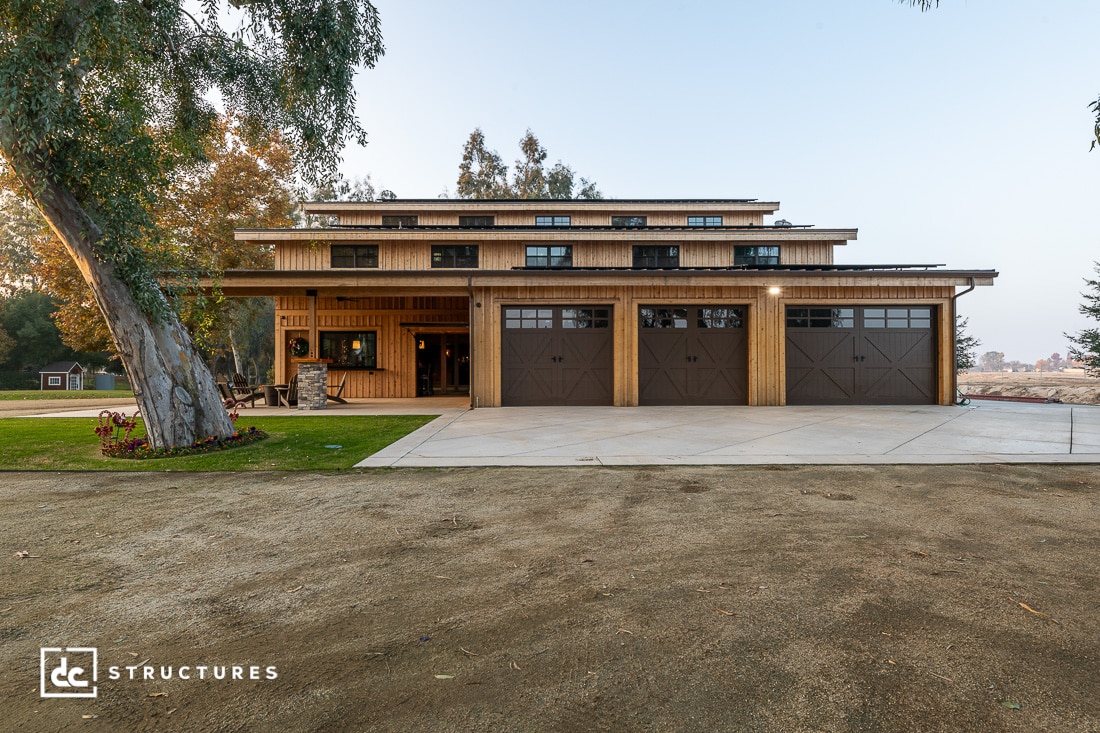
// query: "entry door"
[[692, 355], [556, 355], [861, 355]]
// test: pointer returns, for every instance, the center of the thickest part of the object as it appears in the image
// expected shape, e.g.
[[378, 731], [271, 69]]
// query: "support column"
[[312, 385]]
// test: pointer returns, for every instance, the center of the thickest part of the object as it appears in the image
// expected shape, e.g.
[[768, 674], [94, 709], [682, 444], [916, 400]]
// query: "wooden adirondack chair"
[[289, 397], [243, 392], [339, 390]]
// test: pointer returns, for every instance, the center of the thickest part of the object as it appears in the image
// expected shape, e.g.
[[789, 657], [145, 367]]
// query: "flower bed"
[[114, 434]]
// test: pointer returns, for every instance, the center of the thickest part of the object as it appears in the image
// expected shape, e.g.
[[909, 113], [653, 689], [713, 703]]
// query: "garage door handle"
[[858, 358]]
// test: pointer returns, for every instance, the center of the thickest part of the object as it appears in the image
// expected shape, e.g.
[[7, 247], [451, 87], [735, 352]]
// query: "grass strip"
[[298, 443]]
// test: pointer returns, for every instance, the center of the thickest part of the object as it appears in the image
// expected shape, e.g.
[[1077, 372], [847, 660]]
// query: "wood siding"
[[396, 354]]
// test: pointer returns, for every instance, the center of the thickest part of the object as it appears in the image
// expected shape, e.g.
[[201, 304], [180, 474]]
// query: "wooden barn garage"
[[603, 302]]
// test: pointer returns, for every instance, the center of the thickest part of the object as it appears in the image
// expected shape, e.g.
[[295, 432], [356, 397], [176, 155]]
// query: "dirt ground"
[[1071, 387], [914, 598]]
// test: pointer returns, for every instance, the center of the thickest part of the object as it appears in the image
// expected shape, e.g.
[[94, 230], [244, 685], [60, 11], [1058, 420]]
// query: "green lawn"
[[299, 443], [63, 394]]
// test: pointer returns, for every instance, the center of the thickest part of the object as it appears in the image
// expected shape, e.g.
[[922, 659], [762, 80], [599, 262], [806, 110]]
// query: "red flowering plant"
[[114, 433]]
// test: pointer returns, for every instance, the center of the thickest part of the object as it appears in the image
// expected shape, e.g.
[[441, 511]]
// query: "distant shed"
[[62, 375]]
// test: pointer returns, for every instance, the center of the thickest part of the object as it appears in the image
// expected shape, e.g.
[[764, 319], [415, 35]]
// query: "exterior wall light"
[[774, 290]]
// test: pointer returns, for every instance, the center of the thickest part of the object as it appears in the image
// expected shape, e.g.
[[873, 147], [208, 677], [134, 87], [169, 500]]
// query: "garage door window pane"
[[585, 318], [821, 318], [528, 318], [720, 318], [664, 317]]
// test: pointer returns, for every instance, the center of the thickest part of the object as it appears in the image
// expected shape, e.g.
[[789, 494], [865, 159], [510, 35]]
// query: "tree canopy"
[[482, 174], [101, 101]]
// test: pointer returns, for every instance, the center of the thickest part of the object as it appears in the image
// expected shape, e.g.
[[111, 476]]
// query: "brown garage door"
[[556, 355], [866, 355], [692, 355]]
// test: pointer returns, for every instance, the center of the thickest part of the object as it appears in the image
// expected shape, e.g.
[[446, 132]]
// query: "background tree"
[[965, 346], [1086, 343], [992, 361], [483, 175], [21, 229], [102, 100]]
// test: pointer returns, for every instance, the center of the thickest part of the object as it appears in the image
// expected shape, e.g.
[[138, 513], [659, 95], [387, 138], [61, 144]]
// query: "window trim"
[[546, 254], [357, 251], [704, 221], [555, 220], [740, 258], [334, 364], [466, 221], [454, 259], [659, 261], [53, 381]]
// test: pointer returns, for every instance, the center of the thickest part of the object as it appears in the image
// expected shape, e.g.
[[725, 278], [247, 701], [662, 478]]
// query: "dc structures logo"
[[68, 671]]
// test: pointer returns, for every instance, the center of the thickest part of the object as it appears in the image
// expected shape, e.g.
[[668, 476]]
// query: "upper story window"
[[476, 221], [647, 257], [704, 221], [549, 255], [357, 255], [628, 221], [399, 221], [552, 221], [756, 255], [449, 255]]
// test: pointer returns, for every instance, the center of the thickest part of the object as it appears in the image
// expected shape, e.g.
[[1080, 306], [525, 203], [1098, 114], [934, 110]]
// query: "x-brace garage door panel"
[[556, 355], [861, 355], [692, 355]]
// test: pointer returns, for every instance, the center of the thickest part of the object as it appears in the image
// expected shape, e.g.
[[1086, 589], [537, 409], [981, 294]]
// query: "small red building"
[[62, 375]]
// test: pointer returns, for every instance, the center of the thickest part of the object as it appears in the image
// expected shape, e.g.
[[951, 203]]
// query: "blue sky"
[[958, 136]]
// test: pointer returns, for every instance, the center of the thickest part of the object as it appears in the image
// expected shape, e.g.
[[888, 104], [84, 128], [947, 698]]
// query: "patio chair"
[[226, 392], [243, 392], [335, 396], [288, 397]]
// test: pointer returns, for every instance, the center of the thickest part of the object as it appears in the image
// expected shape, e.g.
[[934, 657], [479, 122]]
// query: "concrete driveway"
[[984, 432]]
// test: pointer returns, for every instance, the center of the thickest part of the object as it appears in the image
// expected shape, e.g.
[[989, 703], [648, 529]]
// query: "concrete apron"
[[559, 436]]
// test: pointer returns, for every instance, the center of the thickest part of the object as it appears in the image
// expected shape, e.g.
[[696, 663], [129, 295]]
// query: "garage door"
[[861, 355], [556, 355], [692, 355]]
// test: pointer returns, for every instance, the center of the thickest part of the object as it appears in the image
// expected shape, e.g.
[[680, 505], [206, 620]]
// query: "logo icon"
[[68, 671]]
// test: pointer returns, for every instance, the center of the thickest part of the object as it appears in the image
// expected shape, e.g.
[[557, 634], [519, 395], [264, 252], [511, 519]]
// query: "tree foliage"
[[1086, 343], [966, 355], [482, 174], [101, 101]]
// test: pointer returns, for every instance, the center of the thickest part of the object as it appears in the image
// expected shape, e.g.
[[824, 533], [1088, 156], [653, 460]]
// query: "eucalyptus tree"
[[100, 100]]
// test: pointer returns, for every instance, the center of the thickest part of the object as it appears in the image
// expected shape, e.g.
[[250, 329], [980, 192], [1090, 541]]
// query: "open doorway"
[[442, 364]]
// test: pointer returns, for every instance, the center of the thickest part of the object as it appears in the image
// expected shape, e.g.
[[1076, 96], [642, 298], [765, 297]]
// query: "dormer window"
[[628, 221], [552, 221], [476, 221]]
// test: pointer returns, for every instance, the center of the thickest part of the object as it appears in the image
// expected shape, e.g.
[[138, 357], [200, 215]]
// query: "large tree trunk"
[[177, 395]]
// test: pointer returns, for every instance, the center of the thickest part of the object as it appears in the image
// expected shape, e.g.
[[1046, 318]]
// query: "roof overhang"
[[351, 235], [332, 283]]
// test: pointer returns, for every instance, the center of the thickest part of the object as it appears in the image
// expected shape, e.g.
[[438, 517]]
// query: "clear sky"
[[958, 136]]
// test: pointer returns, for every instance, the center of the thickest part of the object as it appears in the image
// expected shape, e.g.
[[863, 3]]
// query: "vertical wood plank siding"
[[396, 376]]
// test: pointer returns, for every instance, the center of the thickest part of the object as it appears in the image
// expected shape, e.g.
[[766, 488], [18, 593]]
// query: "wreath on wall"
[[298, 346]]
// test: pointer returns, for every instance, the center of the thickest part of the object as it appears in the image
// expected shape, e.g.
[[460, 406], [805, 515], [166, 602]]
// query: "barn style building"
[[603, 302]]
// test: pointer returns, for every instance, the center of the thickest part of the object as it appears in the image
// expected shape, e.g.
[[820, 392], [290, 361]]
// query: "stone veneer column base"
[[312, 385]]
